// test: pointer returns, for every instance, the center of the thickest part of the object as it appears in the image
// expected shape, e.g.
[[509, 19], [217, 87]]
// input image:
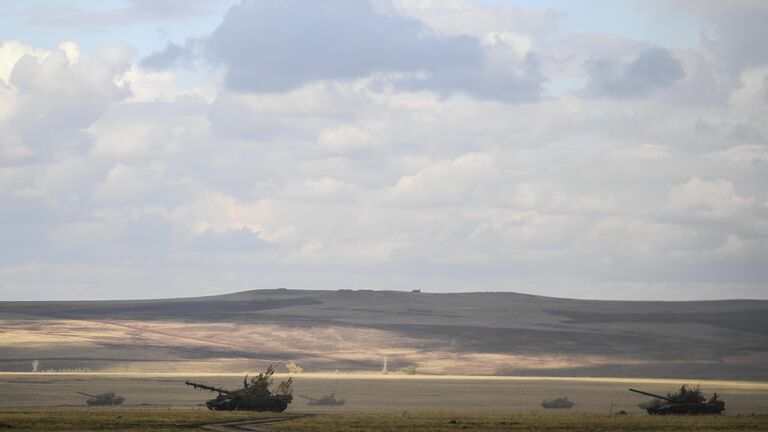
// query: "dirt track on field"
[[250, 425]]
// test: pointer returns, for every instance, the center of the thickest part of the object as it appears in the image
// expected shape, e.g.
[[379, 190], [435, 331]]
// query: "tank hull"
[[326, 403], [236, 402], [560, 403], [687, 409]]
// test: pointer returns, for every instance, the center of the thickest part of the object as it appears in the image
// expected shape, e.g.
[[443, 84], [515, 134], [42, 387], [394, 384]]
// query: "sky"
[[595, 149]]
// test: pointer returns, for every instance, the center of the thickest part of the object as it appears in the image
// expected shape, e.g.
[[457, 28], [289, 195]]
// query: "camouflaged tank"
[[559, 403], [325, 400], [103, 399], [256, 394], [686, 401]]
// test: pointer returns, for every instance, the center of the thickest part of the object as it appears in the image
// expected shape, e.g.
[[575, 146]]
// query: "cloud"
[[143, 131], [125, 182], [274, 46], [480, 20], [714, 198], [740, 30], [59, 94], [651, 70], [173, 55], [11, 52], [451, 182], [136, 11], [380, 145], [228, 241]]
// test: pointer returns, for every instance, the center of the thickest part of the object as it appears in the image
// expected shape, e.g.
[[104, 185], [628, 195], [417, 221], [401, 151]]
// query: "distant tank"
[[325, 400], [103, 399], [559, 403], [255, 395], [686, 401]]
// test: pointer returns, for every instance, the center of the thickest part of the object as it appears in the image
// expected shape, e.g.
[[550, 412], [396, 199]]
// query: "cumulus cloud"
[[58, 94], [716, 198], [11, 52], [173, 55], [451, 182], [144, 132], [383, 145], [230, 240], [274, 46], [653, 69]]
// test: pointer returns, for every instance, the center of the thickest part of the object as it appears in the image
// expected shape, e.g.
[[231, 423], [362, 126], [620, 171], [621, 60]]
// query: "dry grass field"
[[491, 422], [376, 393], [188, 419], [483, 361], [118, 419]]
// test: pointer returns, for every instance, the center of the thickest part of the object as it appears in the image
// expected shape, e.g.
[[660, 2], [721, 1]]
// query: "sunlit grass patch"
[[440, 422]]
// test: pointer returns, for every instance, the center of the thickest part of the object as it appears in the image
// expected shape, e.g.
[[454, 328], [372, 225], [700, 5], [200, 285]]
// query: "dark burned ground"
[[751, 321], [721, 339], [148, 310]]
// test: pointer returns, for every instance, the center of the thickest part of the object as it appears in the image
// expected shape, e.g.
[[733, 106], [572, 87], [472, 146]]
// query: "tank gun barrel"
[[207, 387], [651, 395], [307, 397], [86, 394]]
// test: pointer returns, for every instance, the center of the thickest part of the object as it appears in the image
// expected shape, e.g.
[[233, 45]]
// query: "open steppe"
[[190, 419], [369, 393], [346, 330], [483, 361]]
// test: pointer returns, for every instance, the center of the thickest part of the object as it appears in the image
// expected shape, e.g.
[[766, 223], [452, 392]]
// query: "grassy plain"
[[118, 419], [377, 393], [190, 419], [490, 422]]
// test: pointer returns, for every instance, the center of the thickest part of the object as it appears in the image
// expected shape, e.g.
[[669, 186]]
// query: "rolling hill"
[[348, 330]]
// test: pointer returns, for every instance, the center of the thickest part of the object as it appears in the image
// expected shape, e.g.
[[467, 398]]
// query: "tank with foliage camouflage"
[[686, 401], [325, 400], [256, 395], [103, 399], [559, 403]]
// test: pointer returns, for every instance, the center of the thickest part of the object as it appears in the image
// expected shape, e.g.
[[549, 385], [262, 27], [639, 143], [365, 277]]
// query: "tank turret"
[[256, 394], [687, 400]]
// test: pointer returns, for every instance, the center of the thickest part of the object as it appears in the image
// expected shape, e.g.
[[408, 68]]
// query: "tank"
[[325, 400], [255, 395], [686, 401], [103, 399], [559, 403]]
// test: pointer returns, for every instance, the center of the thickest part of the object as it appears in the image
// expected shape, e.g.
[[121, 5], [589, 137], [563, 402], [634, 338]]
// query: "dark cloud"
[[168, 57], [653, 69], [740, 32], [274, 46]]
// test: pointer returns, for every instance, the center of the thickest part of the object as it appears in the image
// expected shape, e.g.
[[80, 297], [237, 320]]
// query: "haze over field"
[[594, 149]]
